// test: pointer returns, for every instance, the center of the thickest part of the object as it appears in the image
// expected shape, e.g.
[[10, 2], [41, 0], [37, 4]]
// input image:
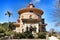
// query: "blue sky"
[[14, 5]]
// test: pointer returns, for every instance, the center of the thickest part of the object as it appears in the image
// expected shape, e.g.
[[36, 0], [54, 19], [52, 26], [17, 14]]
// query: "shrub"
[[19, 35], [42, 35], [9, 33], [28, 34], [2, 30]]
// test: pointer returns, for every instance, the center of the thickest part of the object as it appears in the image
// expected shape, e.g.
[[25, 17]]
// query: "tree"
[[9, 15], [5, 26], [11, 26], [56, 13]]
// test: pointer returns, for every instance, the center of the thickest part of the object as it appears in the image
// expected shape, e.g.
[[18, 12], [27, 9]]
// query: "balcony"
[[31, 20]]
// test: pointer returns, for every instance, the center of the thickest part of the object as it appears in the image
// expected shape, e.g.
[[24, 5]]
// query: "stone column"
[[24, 27], [37, 28]]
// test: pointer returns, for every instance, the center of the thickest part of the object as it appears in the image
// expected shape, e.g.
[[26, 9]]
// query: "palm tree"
[[9, 15]]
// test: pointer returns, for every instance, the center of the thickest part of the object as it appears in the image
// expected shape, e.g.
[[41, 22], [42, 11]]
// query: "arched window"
[[31, 11], [34, 29], [27, 28], [31, 28], [30, 16]]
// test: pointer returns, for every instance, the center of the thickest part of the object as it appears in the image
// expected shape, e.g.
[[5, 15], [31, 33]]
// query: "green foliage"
[[2, 30], [5, 29], [21, 35], [11, 26], [8, 33], [42, 35], [5, 26], [8, 26], [28, 34]]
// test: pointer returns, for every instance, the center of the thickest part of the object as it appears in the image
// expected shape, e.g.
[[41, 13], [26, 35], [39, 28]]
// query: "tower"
[[30, 17]]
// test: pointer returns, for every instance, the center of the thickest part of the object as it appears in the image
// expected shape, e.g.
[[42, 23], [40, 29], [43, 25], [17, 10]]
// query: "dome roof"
[[32, 8]]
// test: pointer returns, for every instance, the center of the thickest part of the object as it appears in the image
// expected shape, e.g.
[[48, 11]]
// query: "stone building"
[[30, 18]]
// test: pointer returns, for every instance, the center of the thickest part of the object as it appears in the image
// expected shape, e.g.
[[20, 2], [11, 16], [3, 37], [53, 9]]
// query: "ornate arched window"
[[30, 16], [27, 28], [34, 29]]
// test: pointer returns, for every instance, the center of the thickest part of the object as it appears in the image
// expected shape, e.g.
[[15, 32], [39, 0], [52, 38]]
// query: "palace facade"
[[30, 18]]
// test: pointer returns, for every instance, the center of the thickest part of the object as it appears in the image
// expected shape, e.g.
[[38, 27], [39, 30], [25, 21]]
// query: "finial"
[[30, 4]]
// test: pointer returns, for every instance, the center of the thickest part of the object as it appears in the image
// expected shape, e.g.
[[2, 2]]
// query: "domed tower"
[[30, 17]]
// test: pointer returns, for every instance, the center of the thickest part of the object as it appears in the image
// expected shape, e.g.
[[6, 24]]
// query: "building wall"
[[27, 15]]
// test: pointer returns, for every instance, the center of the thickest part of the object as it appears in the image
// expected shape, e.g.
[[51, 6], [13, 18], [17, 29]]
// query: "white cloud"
[[35, 1]]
